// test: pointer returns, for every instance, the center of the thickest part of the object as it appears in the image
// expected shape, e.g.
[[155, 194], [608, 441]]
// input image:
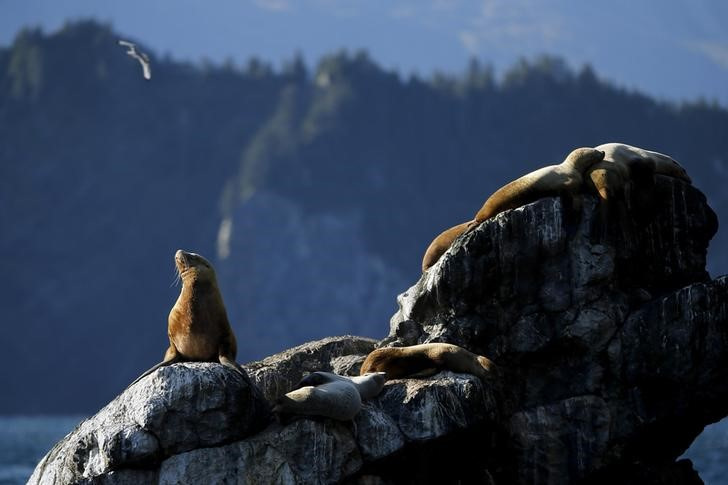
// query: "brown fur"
[[442, 243], [639, 158], [564, 179], [198, 327], [627, 176], [425, 359]]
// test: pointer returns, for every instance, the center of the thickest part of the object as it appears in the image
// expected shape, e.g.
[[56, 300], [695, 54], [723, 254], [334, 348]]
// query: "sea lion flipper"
[[231, 364], [164, 363], [425, 373]]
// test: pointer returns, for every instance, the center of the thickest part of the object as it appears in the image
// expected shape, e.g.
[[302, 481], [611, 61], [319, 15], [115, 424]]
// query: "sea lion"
[[425, 360], [198, 326], [664, 164], [564, 179], [442, 243], [336, 399], [369, 385], [626, 176]]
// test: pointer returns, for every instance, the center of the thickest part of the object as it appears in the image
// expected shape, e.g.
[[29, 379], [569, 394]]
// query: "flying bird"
[[139, 56]]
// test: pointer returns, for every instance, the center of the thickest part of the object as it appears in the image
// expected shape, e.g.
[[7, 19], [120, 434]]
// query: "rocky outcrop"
[[175, 409], [124, 442], [610, 341], [611, 336]]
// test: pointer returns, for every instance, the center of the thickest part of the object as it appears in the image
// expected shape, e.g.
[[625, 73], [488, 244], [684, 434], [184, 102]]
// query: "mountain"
[[314, 193]]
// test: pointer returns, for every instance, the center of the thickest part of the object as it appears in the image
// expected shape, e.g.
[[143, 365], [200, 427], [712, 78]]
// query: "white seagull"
[[139, 56]]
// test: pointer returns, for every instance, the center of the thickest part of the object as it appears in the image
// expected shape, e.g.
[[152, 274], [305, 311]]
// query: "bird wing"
[[147, 69]]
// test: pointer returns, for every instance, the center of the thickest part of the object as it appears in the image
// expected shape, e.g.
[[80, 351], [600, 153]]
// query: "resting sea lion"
[[198, 326], [564, 179], [337, 399], [621, 153], [425, 360], [627, 172], [442, 243], [368, 385]]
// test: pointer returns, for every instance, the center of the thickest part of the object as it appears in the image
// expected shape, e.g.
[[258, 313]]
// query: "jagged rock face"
[[318, 451], [607, 360], [175, 409]]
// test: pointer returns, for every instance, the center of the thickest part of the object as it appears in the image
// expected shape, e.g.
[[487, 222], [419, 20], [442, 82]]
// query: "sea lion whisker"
[[176, 277]]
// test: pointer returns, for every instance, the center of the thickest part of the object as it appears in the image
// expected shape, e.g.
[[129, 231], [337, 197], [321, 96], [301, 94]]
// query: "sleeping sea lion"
[[368, 385], [622, 153], [336, 399], [425, 360], [564, 179]]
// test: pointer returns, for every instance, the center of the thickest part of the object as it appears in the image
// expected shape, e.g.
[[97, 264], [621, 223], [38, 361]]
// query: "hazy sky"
[[674, 49]]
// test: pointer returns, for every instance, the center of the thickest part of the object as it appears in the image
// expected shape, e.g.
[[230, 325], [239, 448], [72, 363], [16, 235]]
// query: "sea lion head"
[[192, 266], [583, 158], [487, 365], [315, 379], [670, 167]]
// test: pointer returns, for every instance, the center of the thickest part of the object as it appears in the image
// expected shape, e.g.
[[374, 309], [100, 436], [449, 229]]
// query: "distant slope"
[[318, 189]]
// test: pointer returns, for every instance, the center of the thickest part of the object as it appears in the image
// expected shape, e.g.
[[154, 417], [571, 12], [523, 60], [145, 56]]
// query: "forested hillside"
[[314, 191]]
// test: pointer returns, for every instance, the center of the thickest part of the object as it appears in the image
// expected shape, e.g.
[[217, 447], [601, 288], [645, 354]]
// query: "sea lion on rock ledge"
[[622, 153], [336, 399], [425, 360], [442, 243], [198, 326], [368, 385], [564, 179]]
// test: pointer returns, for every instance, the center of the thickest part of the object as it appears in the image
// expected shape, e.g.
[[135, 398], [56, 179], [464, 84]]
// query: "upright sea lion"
[[337, 399], [425, 360], [442, 243], [198, 326], [564, 179], [369, 385]]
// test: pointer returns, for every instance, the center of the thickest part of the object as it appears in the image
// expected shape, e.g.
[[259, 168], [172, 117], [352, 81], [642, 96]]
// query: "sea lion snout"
[[185, 260], [181, 260]]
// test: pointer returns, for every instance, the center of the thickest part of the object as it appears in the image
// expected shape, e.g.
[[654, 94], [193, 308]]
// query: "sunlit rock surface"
[[175, 409]]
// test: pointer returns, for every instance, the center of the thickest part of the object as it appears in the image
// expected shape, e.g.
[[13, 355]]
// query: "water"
[[709, 453], [25, 440]]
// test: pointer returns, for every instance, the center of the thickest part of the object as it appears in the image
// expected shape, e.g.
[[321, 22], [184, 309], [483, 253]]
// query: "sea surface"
[[25, 440]]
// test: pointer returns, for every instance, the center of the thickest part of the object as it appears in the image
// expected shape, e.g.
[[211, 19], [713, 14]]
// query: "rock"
[[175, 409], [305, 451], [610, 340], [326, 451]]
